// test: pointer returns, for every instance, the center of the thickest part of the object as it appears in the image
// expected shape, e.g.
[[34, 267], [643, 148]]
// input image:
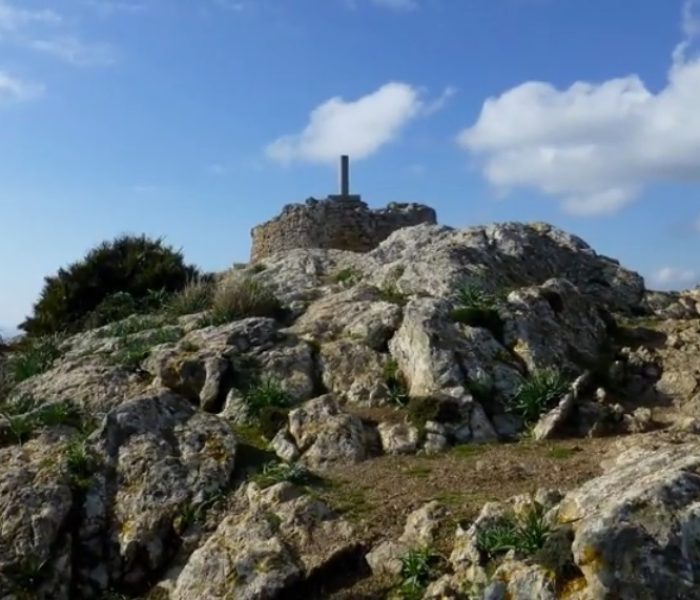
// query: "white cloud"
[[16, 90], [72, 50], [359, 127], [594, 146], [441, 101], [673, 278]]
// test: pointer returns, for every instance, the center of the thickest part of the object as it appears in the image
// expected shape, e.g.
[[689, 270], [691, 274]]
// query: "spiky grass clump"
[[417, 570], [25, 415], [195, 297], [539, 393], [241, 297], [277, 472], [476, 307], [133, 351], [526, 535], [397, 390], [34, 356], [268, 403]]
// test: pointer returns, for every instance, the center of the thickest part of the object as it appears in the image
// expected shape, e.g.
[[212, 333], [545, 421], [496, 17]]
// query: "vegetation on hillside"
[[115, 279]]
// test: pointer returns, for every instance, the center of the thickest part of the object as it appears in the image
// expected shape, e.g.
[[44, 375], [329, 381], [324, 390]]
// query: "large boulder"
[[637, 526], [36, 501], [282, 539], [159, 457]]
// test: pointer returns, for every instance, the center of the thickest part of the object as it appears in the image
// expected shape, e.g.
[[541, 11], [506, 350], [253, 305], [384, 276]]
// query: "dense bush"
[[114, 280]]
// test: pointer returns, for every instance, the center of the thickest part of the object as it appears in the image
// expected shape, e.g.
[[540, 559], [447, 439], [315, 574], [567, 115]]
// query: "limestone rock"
[[324, 434], [398, 438], [282, 538], [359, 313], [553, 325], [353, 371], [636, 527], [159, 456], [36, 500]]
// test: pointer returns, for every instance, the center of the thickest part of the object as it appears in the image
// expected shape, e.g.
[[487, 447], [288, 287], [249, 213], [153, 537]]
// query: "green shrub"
[[92, 290], [390, 293], [277, 472], [525, 535], [33, 357], [539, 393], [242, 297], [195, 297]]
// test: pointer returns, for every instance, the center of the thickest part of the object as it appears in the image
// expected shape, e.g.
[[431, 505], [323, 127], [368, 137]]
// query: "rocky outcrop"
[[283, 538]]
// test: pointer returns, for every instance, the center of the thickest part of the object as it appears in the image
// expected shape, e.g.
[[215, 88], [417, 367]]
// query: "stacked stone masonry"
[[338, 222]]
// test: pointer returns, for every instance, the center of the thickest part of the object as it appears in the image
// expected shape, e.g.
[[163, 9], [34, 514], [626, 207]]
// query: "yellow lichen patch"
[[572, 588], [215, 449]]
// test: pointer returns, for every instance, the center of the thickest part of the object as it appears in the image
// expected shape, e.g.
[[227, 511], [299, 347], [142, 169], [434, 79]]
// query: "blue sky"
[[196, 120]]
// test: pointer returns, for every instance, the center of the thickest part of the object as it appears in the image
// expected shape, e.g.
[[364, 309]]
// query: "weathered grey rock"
[[514, 580], [353, 371], [284, 446], [636, 526], [505, 255], [283, 538], [36, 499], [421, 528], [398, 438], [292, 365], [159, 457], [324, 434], [358, 313], [553, 325]]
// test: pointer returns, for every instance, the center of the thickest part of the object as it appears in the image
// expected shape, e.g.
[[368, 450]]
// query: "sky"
[[195, 120]]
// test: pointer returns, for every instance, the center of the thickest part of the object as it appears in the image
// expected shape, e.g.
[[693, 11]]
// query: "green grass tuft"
[[526, 535], [277, 472], [417, 570], [35, 356], [539, 393]]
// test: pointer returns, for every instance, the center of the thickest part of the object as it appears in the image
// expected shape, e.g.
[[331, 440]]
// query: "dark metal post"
[[344, 175]]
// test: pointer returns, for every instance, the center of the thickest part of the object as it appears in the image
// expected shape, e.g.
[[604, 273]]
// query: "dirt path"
[[377, 495]]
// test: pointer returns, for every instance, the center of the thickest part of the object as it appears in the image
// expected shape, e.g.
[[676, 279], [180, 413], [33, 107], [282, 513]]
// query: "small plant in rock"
[[80, 462], [267, 403], [35, 356], [127, 327], [133, 351], [346, 276], [526, 535], [395, 384], [476, 307], [195, 297], [417, 570], [538, 393], [241, 297], [277, 472], [266, 393], [24, 416], [390, 293]]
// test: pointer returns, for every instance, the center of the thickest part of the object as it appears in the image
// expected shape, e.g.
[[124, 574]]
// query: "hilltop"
[[495, 412]]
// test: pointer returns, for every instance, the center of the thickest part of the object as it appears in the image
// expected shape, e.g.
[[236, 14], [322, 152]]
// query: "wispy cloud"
[[108, 8], [230, 5], [397, 4], [48, 32], [76, 52], [595, 147], [13, 89], [669, 278], [13, 19]]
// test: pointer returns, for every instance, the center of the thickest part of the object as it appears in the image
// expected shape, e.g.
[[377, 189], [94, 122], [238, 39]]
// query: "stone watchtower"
[[341, 221]]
